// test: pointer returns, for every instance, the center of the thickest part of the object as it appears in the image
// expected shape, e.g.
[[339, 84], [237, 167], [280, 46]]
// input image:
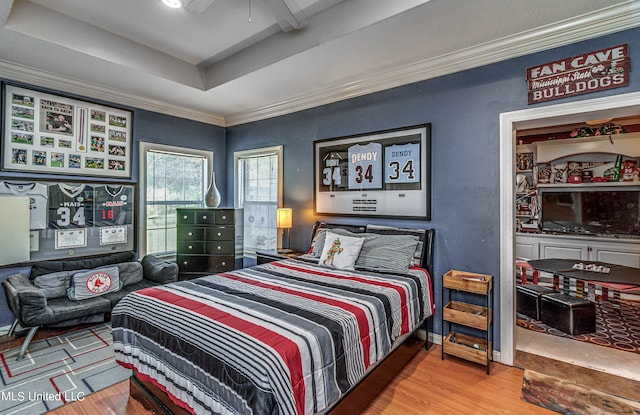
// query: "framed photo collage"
[[45, 133]]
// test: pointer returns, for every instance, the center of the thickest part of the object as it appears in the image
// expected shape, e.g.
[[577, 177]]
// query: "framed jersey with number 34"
[[385, 173]]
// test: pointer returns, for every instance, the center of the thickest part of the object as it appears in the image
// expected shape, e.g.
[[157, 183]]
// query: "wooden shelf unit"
[[477, 349]]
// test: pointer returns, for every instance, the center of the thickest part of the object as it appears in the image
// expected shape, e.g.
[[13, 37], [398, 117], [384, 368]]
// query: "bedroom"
[[464, 111]]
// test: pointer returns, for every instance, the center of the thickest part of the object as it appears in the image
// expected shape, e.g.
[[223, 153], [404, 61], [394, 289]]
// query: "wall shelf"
[[625, 144]]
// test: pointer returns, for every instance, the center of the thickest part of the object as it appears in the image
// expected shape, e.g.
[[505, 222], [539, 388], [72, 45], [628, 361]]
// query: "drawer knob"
[[224, 216], [224, 263], [219, 233], [190, 234], [184, 217], [190, 247], [185, 263], [204, 217], [219, 247]]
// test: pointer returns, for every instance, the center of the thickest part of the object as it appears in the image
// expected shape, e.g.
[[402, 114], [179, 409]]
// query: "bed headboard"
[[425, 236]]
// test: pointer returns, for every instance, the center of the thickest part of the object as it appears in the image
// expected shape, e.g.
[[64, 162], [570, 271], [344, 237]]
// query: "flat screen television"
[[614, 213]]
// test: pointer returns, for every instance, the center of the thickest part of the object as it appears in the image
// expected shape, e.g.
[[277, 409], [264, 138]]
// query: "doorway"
[[573, 112]]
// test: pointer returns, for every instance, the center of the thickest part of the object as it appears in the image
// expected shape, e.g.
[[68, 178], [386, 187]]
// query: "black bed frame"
[[358, 398]]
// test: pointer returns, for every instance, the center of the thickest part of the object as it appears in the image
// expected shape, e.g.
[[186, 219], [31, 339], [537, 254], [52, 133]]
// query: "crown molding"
[[613, 19], [20, 73], [591, 25]]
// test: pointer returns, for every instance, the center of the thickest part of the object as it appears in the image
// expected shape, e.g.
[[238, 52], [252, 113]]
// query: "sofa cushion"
[[94, 282], [130, 273], [158, 270], [115, 297], [60, 309], [47, 267], [53, 285]]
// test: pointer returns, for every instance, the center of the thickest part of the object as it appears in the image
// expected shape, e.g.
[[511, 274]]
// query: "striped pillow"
[[388, 253], [420, 233]]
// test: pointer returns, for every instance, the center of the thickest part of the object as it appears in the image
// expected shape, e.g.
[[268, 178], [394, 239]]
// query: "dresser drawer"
[[205, 217], [225, 217], [220, 233], [186, 217], [220, 248], [191, 247], [190, 233], [205, 263]]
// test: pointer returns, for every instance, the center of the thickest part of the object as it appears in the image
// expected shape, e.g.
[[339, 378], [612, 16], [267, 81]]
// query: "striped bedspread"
[[288, 337]]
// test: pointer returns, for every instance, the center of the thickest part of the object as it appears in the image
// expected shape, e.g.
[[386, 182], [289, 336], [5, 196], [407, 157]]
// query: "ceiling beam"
[[287, 13]]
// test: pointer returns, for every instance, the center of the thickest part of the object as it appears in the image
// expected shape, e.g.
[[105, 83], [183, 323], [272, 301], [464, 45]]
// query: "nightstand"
[[263, 257]]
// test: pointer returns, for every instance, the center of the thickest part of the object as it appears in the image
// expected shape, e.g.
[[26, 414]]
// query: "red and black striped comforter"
[[288, 337]]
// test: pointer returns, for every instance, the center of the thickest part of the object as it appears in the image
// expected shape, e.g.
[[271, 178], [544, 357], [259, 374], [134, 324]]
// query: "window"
[[171, 177], [258, 191]]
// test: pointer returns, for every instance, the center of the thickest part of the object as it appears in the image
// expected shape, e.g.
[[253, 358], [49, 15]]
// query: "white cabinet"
[[613, 255], [576, 249], [527, 247], [614, 251]]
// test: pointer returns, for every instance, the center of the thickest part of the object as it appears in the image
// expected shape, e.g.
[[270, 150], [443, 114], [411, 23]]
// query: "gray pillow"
[[390, 230], [53, 285], [130, 273], [387, 253], [94, 282]]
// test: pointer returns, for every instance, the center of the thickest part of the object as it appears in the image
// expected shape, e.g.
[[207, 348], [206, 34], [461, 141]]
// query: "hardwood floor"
[[427, 385]]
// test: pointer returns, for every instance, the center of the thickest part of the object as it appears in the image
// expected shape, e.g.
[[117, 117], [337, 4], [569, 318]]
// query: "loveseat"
[[69, 292]]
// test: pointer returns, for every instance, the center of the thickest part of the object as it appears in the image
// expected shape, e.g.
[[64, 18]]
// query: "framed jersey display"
[[45, 133], [76, 218], [386, 173]]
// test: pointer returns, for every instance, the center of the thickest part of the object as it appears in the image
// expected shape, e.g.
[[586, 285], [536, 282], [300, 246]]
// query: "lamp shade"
[[284, 218]]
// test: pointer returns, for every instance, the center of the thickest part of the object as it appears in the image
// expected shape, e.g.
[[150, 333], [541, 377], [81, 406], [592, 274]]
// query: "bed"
[[287, 337]]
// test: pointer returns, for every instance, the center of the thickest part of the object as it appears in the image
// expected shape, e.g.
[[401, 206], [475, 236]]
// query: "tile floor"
[[600, 368]]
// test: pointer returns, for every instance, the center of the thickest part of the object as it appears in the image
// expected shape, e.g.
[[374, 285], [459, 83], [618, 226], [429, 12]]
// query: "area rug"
[[617, 326], [58, 370], [571, 399]]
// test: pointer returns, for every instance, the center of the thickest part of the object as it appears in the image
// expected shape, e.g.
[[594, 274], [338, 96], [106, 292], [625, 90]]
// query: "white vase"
[[212, 196]]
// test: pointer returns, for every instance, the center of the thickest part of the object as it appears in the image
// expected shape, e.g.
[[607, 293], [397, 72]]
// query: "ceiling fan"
[[286, 12]]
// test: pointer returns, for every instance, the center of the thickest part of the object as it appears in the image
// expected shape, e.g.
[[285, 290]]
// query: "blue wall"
[[463, 110]]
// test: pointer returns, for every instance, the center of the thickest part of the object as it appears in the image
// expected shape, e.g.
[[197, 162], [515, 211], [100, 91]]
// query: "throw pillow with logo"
[[93, 282], [340, 251]]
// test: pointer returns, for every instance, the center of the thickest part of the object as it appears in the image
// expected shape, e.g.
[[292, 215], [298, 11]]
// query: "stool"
[[522, 264], [528, 299], [571, 315]]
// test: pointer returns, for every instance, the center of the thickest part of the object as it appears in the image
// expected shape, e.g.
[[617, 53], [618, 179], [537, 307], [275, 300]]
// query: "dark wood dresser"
[[209, 241]]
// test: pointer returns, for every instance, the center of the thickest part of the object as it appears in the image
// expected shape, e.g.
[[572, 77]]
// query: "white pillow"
[[340, 251]]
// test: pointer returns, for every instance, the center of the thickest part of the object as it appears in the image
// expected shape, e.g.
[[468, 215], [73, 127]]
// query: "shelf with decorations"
[[598, 159], [526, 211]]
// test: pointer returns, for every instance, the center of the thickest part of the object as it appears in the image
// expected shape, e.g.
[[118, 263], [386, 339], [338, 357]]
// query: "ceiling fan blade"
[[197, 6]]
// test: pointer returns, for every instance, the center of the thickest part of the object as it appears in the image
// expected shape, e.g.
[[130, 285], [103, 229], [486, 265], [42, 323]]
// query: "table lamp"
[[284, 220]]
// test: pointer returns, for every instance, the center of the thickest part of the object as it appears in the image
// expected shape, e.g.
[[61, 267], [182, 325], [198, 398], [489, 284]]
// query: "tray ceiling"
[[232, 61]]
